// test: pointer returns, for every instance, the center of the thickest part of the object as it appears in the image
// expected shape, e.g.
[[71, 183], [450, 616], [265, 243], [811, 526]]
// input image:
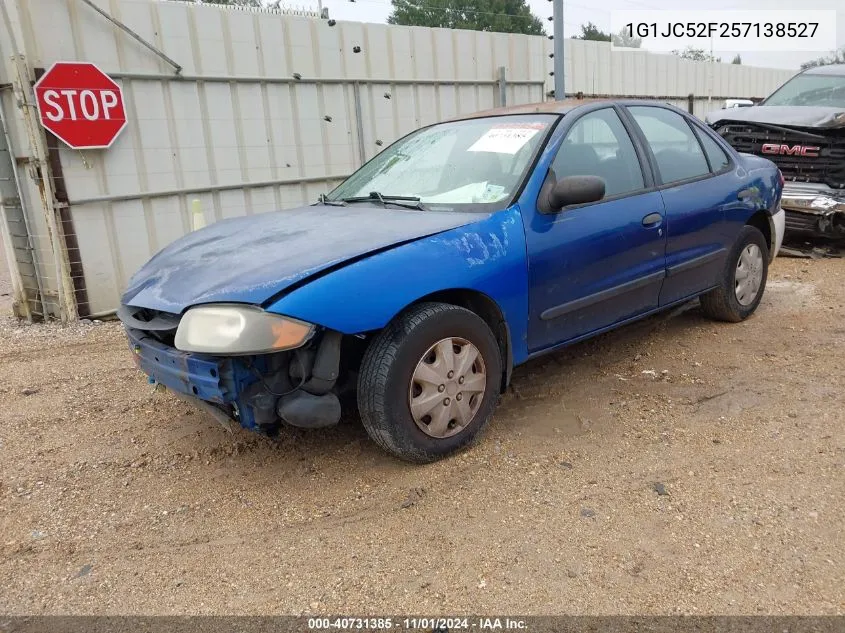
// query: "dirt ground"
[[675, 466]]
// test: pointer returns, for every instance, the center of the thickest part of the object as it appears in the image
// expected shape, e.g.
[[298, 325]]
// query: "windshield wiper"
[[323, 199], [408, 202]]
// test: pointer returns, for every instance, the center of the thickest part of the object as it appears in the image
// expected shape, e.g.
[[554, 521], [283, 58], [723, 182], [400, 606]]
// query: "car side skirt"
[[604, 295], [614, 326], [696, 262]]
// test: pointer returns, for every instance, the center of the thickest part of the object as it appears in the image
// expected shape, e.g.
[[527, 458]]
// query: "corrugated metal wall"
[[24, 223], [593, 68], [270, 110]]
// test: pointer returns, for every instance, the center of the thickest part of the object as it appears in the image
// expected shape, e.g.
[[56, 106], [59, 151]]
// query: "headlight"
[[235, 329]]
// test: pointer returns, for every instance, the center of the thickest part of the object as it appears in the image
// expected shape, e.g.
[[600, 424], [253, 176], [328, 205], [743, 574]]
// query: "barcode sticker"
[[504, 139]]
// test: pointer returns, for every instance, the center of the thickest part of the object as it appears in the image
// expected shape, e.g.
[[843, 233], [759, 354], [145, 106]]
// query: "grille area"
[[801, 222], [160, 325], [827, 168]]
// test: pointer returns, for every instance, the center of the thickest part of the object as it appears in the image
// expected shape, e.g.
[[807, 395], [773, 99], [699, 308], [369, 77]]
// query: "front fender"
[[487, 256]]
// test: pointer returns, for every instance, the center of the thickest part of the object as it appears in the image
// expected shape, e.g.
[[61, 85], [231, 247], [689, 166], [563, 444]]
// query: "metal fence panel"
[[593, 68]]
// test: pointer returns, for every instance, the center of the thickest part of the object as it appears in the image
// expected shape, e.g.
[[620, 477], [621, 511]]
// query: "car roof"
[[831, 69], [556, 107]]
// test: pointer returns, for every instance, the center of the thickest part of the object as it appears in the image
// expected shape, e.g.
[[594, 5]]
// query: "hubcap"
[[447, 387], [749, 274]]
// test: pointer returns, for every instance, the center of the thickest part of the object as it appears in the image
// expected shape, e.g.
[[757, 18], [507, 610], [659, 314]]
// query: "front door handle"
[[652, 219]]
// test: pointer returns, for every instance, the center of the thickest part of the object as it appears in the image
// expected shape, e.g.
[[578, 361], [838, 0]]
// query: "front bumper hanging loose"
[[204, 377], [257, 391], [215, 385], [818, 212]]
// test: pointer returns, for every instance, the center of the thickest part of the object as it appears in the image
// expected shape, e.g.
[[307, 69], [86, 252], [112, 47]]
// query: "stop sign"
[[81, 105]]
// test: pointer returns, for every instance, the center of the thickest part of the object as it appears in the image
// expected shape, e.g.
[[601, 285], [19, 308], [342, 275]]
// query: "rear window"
[[677, 151], [716, 155]]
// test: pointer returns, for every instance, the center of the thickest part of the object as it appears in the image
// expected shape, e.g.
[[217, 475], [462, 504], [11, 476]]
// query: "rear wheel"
[[743, 279], [429, 382]]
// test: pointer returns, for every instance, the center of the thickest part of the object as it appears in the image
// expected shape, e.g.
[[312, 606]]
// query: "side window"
[[678, 153], [715, 154], [598, 145]]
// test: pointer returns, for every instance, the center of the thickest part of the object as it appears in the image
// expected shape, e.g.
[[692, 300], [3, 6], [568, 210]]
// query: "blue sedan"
[[460, 251]]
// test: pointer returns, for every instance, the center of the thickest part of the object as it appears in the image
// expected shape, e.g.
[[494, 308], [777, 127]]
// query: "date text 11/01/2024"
[[722, 29], [417, 623]]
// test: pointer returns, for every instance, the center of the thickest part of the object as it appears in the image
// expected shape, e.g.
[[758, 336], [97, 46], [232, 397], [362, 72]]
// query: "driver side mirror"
[[575, 190]]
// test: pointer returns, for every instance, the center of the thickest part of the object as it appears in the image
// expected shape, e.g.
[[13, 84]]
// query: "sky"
[[578, 12]]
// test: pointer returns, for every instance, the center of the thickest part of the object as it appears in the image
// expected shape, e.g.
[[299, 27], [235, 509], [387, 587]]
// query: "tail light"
[[780, 177]]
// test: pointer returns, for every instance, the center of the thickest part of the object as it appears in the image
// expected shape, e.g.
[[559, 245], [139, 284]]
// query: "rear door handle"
[[652, 219]]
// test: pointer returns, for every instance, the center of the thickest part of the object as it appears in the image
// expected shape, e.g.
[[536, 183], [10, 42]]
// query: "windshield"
[[477, 164], [810, 90]]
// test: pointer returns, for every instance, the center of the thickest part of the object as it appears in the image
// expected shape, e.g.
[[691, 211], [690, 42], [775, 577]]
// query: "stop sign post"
[[81, 105]]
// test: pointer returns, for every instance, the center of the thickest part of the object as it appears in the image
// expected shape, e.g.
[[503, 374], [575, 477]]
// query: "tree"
[[501, 16], [838, 57], [623, 39], [737, 60], [696, 55], [590, 31]]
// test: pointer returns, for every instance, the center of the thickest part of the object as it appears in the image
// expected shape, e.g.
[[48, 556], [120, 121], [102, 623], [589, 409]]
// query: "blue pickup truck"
[[460, 251]]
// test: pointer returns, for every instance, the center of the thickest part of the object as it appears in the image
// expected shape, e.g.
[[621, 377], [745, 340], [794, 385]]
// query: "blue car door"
[[596, 264], [696, 181]]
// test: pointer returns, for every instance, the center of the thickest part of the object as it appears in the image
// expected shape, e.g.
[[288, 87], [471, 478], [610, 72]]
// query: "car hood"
[[792, 116], [254, 258]]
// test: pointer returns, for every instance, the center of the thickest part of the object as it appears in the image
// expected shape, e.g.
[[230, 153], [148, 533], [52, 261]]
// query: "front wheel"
[[429, 382], [742, 281]]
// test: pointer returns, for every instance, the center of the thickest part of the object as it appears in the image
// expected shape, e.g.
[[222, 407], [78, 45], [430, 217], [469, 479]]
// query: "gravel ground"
[[675, 466]]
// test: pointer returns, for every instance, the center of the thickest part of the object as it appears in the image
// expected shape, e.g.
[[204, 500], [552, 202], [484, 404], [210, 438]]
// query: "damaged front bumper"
[[258, 392], [215, 382], [814, 210]]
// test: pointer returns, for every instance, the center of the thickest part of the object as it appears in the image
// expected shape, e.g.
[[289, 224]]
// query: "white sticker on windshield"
[[505, 139], [492, 193]]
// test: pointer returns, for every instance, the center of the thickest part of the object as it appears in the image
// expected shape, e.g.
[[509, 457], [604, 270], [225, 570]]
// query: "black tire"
[[721, 303], [389, 364]]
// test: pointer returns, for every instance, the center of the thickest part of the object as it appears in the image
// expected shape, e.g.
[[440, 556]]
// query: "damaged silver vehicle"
[[801, 128]]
